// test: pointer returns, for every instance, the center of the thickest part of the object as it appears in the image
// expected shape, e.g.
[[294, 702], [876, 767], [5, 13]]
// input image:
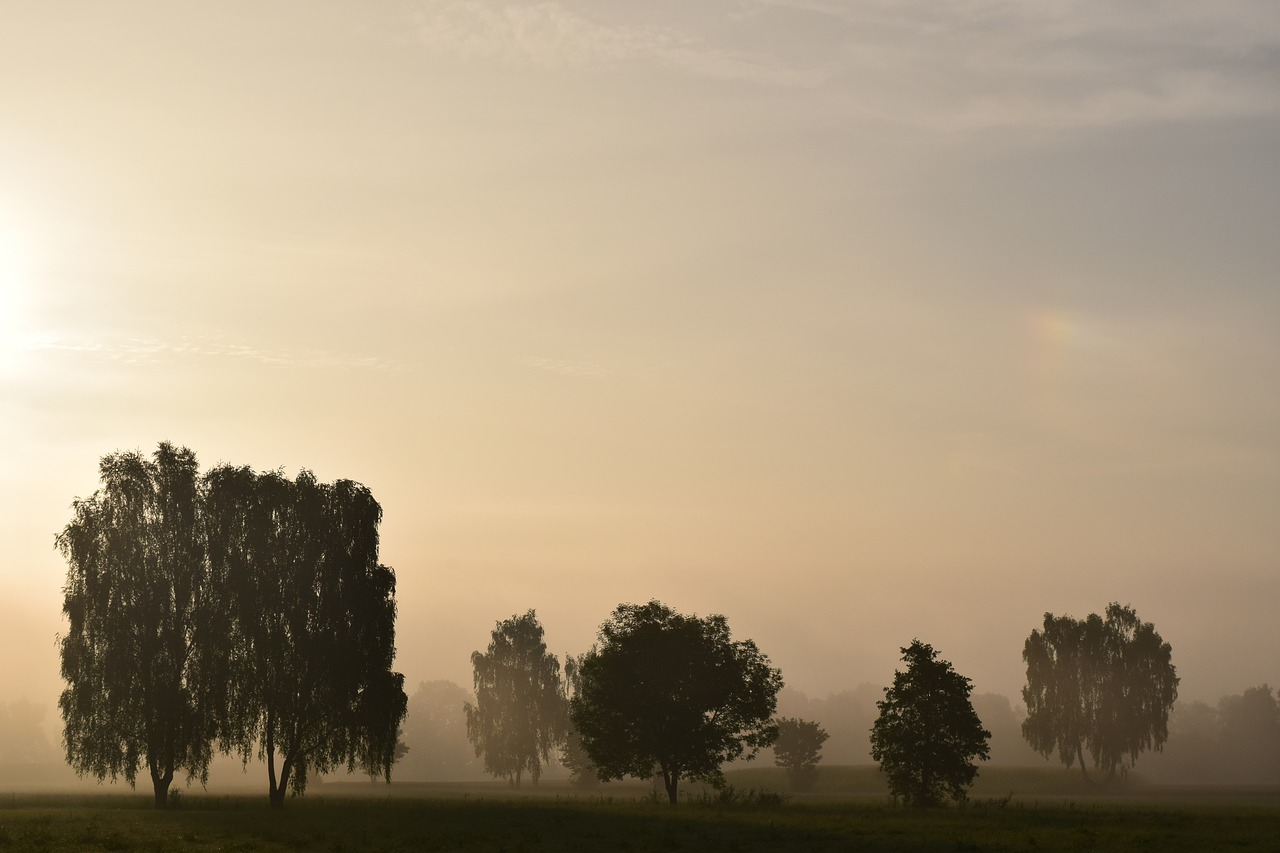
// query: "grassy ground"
[[358, 817]]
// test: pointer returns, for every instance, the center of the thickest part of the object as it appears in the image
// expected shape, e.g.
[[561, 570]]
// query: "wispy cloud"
[[941, 66], [156, 351], [565, 367], [551, 35], [973, 64]]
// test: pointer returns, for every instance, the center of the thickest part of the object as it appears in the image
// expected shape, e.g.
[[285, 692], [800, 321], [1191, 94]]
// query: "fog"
[[855, 325]]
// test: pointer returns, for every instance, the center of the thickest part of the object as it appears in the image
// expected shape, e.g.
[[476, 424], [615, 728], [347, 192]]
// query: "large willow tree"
[[143, 644], [312, 621], [1102, 687]]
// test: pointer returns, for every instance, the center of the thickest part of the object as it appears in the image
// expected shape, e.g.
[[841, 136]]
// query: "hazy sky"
[[854, 321]]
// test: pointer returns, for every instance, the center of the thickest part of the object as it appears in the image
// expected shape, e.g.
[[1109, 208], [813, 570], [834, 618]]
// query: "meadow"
[[845, 813]]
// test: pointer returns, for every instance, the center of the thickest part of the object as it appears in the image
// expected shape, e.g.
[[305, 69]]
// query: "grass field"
[[358, 817]]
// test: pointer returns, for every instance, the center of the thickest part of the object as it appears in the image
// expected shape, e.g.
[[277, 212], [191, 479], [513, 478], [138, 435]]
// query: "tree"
[[139, 655], [672, 692], [311, 625], [928, 734], [518, 715], [1101, 686], [798, 748], [573, 755]]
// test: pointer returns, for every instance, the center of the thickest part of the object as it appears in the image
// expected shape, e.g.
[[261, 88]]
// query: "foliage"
[[672, 692], [1236, 742], [518, 716], [138, 656], [573, 755], [311, 628], [927, 734], [1101, 686], [798, 748]]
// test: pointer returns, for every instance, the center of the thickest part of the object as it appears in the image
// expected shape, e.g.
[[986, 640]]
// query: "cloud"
[[549, 35], [976, 64], [156, 351], [566, 368]]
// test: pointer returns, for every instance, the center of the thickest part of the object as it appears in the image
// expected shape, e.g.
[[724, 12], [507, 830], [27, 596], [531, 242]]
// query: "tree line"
[[236, 610], [245, 612], [667, 696]]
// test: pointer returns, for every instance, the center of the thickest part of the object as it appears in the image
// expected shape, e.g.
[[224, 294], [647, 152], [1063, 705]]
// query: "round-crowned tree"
[[674, 694], [927, 734], [799, 749]]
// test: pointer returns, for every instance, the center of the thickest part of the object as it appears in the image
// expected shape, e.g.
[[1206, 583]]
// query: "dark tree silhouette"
[[312, 625], [799, 749], [673, 693], [573, 755], [928, 734], [1101, 686], [518, 716], [138, 653]]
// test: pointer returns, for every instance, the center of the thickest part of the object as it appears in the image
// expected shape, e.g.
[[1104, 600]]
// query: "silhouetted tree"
[[672, 692], [799, 749], [573, 755], [928, 734], [312, 625], [518, 716], [138, 652], [1101, 686]]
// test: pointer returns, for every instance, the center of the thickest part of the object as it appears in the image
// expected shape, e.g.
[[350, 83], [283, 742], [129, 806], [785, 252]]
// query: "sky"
[[856, 322]]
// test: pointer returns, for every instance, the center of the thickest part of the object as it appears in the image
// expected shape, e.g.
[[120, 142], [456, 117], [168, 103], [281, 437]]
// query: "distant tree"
[[518, 716], [927, 734], [1004, 721], [1101, 686], [22, 735], [142, 647], [1249, 745], [436, 733], [573, 755], [799, 749], [672, 692], [311, 628]]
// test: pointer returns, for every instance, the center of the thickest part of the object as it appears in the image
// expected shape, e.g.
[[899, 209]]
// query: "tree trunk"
[[670, 780], [276, 788], [160, 782], [1084, 771]]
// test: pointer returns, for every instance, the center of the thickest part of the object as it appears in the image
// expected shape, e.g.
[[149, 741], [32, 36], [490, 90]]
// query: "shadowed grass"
[[562, 821]]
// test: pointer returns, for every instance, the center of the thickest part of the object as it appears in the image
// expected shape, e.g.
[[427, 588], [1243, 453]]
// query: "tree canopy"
[[1098, 686], [311, 626], [799, 749], [138, 655], [518, 716], [237, 609], [927, 734], [674, 693], [573, 755]]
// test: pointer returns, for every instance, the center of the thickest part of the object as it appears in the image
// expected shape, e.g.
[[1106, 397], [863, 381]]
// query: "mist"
[[856, 326]]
